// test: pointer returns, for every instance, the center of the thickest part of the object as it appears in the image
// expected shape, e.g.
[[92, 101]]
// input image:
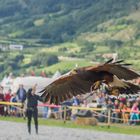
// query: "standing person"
[[7, 98], [45, 111], [32, 102], [21, 96], [134, 115], [13, 108], [126, 112], [76, 101], [116, 113], [21, 93], [100, 100], [1, 99]]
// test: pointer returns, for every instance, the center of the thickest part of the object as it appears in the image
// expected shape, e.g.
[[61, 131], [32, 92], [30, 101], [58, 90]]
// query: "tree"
[[44, 59]]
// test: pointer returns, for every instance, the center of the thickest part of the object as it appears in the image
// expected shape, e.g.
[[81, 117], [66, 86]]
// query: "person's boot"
[[36, 128], [29, 129]]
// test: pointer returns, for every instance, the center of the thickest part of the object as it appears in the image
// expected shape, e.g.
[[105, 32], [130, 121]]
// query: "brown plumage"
[[80, 80]]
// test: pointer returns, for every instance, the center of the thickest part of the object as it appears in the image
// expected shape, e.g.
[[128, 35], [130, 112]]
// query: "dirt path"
[[18, 131]]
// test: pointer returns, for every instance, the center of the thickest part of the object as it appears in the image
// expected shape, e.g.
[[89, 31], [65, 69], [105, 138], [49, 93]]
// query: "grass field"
[[65, 65], [115, 128]]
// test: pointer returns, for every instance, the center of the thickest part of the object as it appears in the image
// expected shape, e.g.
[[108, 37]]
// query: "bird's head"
[[74, 71]]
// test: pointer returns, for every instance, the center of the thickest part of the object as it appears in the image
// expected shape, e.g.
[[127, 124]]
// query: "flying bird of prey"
[[80, 80]]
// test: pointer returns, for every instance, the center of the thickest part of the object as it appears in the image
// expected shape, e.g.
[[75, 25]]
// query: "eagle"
[[115, 75]]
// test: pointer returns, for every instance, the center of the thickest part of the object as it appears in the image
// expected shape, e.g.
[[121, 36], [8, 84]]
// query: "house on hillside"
[[16, 47], [110, 55]]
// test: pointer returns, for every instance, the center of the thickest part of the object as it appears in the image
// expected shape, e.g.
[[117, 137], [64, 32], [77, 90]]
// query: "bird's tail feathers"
[[129, 89]]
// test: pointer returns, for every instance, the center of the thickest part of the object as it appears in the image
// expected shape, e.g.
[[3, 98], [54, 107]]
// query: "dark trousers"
[[32, 112]]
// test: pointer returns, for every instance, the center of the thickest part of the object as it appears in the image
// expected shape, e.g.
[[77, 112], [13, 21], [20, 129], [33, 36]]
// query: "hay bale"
[[86, 121]]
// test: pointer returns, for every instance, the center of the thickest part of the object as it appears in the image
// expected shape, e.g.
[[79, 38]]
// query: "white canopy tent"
[[6, 83], [29, 82]]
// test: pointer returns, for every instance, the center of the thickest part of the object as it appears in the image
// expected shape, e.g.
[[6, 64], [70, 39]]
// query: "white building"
[[110, 55], [16, 47]]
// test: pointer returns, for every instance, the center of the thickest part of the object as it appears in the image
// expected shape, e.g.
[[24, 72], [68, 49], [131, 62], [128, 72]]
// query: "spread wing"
[[116, 68], [65, 88], [130, 89], [73, 84]]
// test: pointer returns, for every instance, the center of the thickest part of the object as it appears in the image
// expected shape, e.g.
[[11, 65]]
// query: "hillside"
[[56, 21], [74, 32]]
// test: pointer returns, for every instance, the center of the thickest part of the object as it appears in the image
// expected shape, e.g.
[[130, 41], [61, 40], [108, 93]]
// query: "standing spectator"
[[68, 111], [1, 99], [121, 106], [84, 104], [123, 99], [21, 93], [56, 112], [126, 112], [100, 100], [134, 116], [13, 108], [45, 111], [115, 114], [7, 98], [109, 106], [76, 101]]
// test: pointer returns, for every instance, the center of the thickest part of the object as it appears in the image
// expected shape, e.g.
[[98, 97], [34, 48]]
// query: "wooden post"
[[65, 114], [109, 117]]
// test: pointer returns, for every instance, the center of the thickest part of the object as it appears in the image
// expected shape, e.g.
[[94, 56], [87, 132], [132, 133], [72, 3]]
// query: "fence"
[[97, 111]]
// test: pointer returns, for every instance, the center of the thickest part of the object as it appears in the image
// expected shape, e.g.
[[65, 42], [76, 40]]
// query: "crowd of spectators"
[[124, 108], [18, 97]]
